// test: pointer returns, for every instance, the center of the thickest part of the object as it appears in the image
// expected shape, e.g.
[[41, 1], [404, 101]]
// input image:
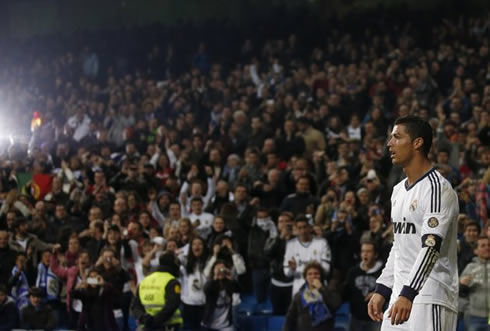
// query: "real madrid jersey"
[[422, 264], [315, 250]]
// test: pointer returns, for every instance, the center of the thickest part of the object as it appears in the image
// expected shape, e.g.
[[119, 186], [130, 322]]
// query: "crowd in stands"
[[246, 155]]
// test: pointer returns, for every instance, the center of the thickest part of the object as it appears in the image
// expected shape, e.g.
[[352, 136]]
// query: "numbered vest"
[[152, 295]]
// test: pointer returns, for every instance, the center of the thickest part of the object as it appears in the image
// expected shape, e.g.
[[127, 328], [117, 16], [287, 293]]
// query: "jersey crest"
[[413, 205]]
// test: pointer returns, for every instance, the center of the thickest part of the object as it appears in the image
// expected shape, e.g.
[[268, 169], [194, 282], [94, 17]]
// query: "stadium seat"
[[264, 308], [275, 323], [247, 306]]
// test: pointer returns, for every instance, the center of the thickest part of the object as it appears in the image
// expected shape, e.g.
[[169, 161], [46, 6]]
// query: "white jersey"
[[422, 264], [316, 250], [205, 222]]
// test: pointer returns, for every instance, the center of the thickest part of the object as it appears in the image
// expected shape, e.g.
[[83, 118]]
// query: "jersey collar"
[[408, 188]]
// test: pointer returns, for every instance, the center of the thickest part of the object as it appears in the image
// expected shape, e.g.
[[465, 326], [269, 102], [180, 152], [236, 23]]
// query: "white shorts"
[[425, 317]]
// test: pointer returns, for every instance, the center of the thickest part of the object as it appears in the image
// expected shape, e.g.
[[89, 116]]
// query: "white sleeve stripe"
[[421, 267]]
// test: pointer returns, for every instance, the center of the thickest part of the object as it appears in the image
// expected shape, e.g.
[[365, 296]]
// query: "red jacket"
[[69, 275]]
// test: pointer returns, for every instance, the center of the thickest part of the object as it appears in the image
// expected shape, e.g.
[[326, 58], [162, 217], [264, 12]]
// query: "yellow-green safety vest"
[[152, 295]]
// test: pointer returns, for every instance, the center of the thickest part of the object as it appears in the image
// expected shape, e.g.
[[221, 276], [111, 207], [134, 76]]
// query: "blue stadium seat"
[[275, 323], [264, 308], [247, 306], [343, 310], [258, 323], [342, 317]]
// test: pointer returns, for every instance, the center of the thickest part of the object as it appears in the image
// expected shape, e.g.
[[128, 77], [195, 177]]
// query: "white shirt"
[[316, 250], [192, 287], [424, 218], [205, 222]]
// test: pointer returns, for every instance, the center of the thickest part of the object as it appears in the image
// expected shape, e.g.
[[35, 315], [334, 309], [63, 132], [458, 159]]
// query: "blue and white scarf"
[[20, 290], [48, 282], [313, 301]]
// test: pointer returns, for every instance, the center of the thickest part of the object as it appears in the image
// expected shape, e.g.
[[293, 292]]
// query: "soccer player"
[[420, 278]]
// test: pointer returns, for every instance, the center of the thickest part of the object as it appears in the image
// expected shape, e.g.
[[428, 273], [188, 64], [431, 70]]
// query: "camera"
[[92, 281]]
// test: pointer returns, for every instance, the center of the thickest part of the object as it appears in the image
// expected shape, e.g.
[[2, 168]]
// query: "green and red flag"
[[37, 185]]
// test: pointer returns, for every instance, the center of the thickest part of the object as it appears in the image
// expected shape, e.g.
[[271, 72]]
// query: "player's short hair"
[[417, 128]]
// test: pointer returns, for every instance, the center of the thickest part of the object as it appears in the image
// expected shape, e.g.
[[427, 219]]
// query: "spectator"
[[467, 244], [19, 281], [475, 283], [9, 317], [218, 229], [313, 138], [303, 249], [200, 220], [222, 293], [301, 202], [193, 280], [223, 250], [275, 249], [263, 229], [314, 305], [37, 315], [7, 256], [25, 242], [48, 283], [98, 299], [359, 287], [72, 277]]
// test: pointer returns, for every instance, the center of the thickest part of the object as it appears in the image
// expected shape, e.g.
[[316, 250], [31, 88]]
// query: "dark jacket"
[[9, 317], [98, 308], [256, 245], [172, 303], [465, 255], [275, 249], [212, 291], [7, 256], [298, 317], [297, 203], [41, 318], [358, 285]]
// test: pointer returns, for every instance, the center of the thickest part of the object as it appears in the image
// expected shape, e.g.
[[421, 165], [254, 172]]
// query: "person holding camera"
[[222, 293], [157, 299], [98, 298], [109, 267], [223, 250]]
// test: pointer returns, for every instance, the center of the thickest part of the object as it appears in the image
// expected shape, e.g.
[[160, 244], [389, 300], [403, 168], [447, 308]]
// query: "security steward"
[[157, 300]]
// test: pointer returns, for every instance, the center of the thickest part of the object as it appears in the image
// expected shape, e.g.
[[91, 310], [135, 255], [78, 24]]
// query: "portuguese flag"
[[37, 185]]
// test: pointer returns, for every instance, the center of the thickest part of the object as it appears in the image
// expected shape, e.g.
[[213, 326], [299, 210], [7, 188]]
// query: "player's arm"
[[385, 281], [440, 212]]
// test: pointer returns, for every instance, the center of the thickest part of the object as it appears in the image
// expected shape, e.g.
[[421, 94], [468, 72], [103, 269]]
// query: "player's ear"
[[418, 143]]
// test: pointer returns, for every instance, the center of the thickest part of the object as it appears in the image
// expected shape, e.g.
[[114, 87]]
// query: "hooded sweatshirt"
[[360, 283], [478, 289]]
